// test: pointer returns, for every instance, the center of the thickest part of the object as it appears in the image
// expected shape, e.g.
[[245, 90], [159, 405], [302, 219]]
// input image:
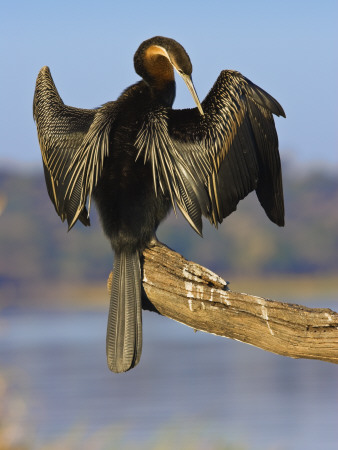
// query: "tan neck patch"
[[154, 50], [158, 65]]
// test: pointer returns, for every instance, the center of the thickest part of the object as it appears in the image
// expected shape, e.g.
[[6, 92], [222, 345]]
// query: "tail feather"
[[124, 331]]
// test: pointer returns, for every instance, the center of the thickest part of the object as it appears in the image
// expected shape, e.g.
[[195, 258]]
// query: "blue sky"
[[287, 47]]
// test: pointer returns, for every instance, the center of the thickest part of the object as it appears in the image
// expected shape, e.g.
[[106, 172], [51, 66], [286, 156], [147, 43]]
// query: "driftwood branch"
[[191, 294]]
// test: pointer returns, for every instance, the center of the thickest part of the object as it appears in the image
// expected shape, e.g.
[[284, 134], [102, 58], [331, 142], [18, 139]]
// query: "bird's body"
[[137, 157], [130, 212], [134, 210]]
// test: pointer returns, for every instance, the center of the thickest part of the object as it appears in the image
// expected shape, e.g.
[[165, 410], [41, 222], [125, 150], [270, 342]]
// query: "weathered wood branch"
[[191, 294]]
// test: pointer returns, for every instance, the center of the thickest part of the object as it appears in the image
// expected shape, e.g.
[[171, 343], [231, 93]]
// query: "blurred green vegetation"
[[36, 247]]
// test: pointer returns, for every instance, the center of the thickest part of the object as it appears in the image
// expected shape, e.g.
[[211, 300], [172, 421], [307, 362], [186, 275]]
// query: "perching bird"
[[138, 158]]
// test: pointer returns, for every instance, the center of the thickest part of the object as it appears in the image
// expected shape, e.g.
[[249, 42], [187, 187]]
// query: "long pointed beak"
[[188, 81]]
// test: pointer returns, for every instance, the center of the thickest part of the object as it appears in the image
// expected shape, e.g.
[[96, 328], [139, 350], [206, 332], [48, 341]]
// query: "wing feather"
[[228, 152], [74, 143], [177, 170]]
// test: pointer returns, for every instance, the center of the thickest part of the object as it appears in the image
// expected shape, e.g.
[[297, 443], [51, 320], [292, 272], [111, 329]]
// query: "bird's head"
[[156, 59]]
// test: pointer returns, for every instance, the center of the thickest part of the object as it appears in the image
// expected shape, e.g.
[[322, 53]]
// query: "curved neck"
[[152, 63], [166, 94]]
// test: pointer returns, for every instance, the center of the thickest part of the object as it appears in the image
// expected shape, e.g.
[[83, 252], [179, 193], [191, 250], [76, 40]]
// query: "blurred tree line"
[[35, 245]]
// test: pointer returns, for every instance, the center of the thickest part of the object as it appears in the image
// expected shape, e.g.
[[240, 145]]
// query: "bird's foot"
[[154, 242]]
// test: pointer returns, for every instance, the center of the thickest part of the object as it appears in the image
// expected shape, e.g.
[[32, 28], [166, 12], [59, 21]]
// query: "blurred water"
[[189, 386]]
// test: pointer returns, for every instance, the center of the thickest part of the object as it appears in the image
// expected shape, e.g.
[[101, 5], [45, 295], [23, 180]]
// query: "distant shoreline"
[[302, 289]]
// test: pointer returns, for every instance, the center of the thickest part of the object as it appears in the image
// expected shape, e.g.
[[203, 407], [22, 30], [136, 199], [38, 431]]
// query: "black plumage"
[[137, 157]]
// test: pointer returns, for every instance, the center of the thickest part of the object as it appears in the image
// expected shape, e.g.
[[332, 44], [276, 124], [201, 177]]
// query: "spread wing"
[[221, 156], [73, 144]]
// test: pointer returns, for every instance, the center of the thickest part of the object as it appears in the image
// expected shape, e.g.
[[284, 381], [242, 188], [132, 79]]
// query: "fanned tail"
[[124, 332]]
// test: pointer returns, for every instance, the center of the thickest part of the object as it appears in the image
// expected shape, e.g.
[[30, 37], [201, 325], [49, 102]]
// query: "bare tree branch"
[[191, 294]]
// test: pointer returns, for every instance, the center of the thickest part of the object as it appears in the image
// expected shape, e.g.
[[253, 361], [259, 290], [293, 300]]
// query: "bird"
[[138, 158]]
